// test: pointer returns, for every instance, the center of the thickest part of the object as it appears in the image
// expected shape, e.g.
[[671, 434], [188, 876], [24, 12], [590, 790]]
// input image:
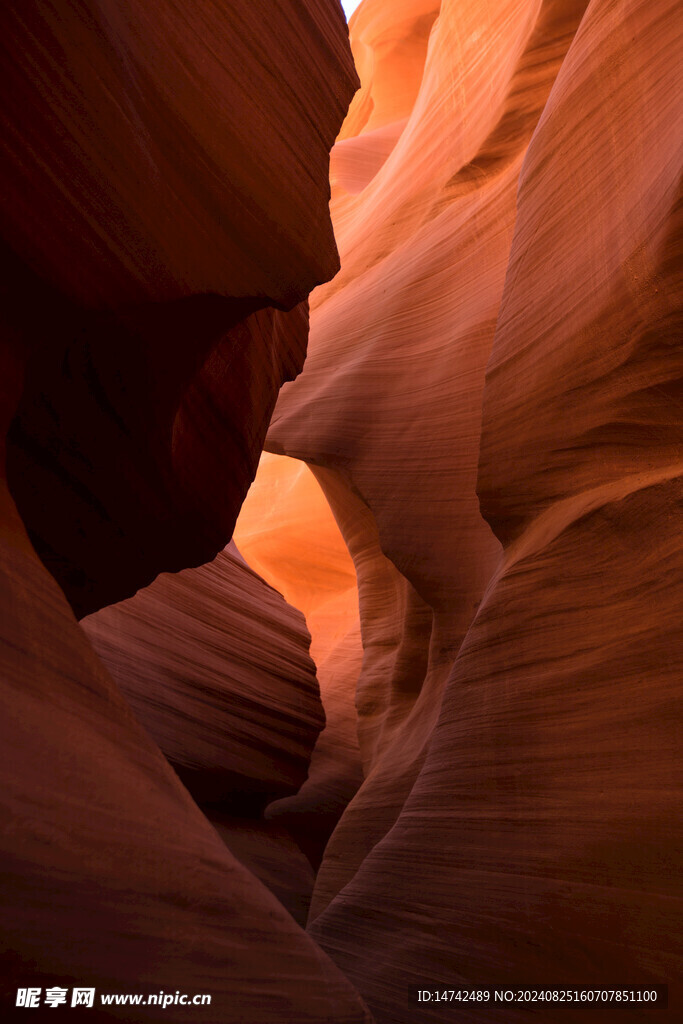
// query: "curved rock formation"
[[112, 877], [164, 216], [491, 406], [215, 665], [510, 246], [152, 242], [287, 531], [390, 399]]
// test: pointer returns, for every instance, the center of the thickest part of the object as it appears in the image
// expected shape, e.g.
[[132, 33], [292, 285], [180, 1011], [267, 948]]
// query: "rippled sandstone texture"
[[157, 249], [492, 407], [164, 216], [215, 665], [491, 403]]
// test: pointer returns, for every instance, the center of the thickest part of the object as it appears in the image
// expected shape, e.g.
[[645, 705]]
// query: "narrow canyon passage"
[[341, 511]]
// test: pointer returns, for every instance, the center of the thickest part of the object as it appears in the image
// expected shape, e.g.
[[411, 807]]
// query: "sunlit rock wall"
[[491, 403], [287, 531]]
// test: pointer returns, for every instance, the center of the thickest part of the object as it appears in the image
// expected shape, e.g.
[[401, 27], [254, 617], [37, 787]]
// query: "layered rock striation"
[[483, 550], [491, 403], [215, 665], [161, 234], [164, 216]]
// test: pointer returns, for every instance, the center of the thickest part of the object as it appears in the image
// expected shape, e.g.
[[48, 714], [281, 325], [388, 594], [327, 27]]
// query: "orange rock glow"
[[397, 725]]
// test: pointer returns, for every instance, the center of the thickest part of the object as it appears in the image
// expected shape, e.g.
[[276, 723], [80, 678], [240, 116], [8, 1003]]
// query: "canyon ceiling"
[[403, 714]]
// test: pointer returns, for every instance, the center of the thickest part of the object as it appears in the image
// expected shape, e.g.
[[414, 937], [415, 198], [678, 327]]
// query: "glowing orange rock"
[[511, 249], [287, 532]]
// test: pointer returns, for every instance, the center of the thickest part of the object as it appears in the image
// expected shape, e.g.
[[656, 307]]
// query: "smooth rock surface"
[[505, 335], [287, 531], [112, 877], [215, 665], [164, 217], [389, 404], [491, 406], [156, 259]]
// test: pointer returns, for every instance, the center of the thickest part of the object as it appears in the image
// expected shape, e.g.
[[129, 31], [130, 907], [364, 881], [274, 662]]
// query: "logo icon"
[[83, 997]]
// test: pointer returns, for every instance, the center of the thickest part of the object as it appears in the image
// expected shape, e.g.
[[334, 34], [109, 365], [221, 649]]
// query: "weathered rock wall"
[[157, 224], [164, 215], [491, 402], [215, 665]]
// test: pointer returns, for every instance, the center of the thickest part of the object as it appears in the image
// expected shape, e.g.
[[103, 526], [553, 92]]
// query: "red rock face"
[[164, 217], [137, 429], [112, 876], [146, 130], [254, 675], [390, 400], [152, 244], [489, 564]]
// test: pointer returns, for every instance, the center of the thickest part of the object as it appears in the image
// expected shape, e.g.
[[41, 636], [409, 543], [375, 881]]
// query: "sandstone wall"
[[491, 402]]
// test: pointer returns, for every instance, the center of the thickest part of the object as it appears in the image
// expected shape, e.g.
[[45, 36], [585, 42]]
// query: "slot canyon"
[[341, 532]]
